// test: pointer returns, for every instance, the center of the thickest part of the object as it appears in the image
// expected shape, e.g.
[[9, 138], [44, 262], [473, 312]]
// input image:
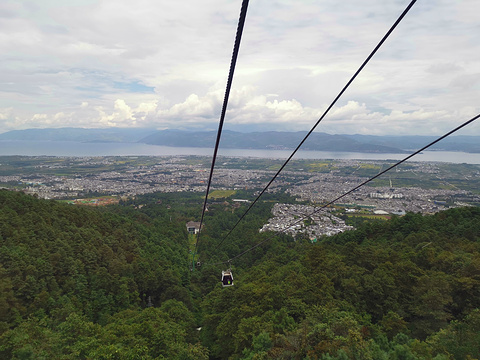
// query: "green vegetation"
[[357, 219], [220, 194], [371, 216], [77, 282], [319, 166], [115, 283]]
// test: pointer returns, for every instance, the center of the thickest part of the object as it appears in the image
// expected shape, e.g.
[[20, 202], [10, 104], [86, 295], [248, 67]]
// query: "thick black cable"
[[407, 9], [355, 188], [236, 48]]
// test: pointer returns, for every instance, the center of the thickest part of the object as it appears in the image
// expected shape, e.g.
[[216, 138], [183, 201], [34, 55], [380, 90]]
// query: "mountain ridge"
[[273, 140]]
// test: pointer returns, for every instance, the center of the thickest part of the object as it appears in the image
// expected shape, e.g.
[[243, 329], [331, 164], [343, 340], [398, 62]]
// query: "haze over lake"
[[72, 148]]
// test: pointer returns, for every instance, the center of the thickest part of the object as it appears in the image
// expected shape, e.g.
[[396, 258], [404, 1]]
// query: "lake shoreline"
[[82, 149]]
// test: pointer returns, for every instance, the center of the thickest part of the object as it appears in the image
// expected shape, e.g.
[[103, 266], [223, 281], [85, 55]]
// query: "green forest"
[[116, 283]]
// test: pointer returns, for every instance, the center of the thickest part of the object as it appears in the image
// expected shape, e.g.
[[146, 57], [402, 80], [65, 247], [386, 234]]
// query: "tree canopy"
[[116, 283]]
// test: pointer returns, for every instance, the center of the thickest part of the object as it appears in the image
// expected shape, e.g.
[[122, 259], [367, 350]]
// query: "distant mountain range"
[[254, 140], [265, 140], [470, 144]]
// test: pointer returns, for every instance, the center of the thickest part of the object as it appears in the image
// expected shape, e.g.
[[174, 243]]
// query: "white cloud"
[[193, 107], [96, 63]]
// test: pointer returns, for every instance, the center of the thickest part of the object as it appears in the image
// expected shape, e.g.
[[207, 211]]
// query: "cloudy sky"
[[164, 64]]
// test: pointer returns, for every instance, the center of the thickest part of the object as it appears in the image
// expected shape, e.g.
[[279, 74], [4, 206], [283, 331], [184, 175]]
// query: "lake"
[[72, 148]]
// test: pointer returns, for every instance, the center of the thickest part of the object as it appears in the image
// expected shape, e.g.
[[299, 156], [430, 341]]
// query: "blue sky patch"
[[133, 86]]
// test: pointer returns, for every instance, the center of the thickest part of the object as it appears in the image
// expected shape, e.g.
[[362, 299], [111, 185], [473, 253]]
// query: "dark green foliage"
[[152, 333], [77, 283], [70, 272], [356, 295], [101, 261]]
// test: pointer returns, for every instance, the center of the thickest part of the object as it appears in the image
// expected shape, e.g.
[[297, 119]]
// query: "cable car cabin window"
[[227, 278]]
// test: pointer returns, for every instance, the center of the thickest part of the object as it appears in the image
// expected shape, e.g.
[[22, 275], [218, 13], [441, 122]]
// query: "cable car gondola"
[[227, 278]]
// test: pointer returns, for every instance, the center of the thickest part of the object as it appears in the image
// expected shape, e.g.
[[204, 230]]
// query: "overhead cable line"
[[356, 187], [407, 9], [236, 48]]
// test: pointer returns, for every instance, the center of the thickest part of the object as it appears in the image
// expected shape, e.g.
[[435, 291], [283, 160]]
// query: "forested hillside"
[[115, 283], [75, 284]]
